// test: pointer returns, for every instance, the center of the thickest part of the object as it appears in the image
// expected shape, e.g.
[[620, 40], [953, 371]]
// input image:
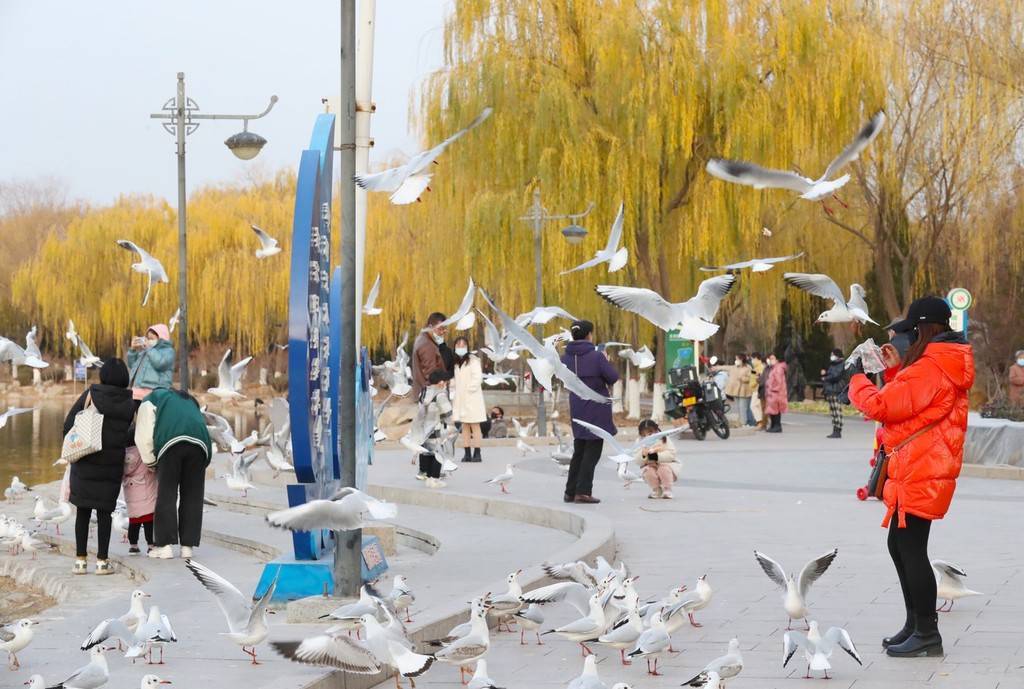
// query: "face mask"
[[738, 363], [1020, 362], [902, 342], [437, 338], [151, 343], [834, 358], [461, 351]]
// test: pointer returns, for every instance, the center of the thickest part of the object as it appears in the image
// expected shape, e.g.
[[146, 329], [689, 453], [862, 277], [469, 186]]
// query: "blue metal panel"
[[302, 578], [336, 366]]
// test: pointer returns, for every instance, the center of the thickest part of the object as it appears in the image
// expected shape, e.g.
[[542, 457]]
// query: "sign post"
[[959, 300]]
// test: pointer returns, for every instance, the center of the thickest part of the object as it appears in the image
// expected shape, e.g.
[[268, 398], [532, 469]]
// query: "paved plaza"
[[791, 496]]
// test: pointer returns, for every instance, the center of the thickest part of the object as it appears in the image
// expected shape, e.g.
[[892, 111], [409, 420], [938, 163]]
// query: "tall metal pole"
[[183, 373], [538, 261], [348, 550], [364, 108]]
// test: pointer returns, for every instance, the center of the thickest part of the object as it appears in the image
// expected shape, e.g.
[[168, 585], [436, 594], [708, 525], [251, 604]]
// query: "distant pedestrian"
[[151, 361], [738, 386], [497, 426], [95, 480], [658, 463], [757, 382], [468, 407], [1016, 394], [594, 369], [139, 484], [430, 376], [171, 434], [834, 385], [776, 394]]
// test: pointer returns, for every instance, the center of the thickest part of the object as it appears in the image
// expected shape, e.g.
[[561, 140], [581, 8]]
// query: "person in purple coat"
[[594, 369]]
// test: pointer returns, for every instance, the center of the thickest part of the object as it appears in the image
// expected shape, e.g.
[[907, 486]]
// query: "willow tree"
[[624, 101]]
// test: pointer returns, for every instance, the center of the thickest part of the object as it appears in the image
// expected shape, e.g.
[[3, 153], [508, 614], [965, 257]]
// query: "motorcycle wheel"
[[700, 431], [720, 424]]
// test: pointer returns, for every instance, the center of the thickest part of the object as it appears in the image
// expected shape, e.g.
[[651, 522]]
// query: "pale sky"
[[79, 79]]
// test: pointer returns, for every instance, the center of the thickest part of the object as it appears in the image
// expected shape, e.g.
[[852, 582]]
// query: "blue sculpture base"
[[301, 578]]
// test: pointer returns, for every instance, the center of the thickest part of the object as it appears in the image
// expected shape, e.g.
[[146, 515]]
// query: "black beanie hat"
[[114, 372]]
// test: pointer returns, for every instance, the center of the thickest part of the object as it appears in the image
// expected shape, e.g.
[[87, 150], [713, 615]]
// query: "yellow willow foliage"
[[234, 297], [625, 101]]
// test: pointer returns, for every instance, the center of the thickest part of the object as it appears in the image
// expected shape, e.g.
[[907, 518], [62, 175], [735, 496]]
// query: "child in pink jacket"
[[140, 493]]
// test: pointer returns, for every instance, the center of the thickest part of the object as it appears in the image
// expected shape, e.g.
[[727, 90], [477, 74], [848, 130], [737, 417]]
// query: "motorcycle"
[[701, 402]]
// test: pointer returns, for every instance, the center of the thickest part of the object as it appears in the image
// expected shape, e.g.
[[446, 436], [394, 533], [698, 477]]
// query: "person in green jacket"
[[171, 434], [151, 361]]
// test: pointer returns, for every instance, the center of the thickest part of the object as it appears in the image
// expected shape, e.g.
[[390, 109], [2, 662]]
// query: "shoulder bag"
[[879, 474], [85, 436]]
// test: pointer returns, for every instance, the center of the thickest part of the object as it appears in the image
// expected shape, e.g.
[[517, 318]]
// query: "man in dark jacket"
[[594, 369], [432, 364], [834, 384], [96, 479]]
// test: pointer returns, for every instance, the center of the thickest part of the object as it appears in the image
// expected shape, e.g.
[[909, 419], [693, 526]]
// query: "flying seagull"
[[464, 318], [624, 454], [759, 177], [842, 311], [543, 314], [348, 509], [370, 308], [795, 599], [692, 317], [611, 253], [229, 378], [11, 351], [147, 265], [173, 322], [268, 245], [641, 358], [756, 265], [87, 359], [407, 182]]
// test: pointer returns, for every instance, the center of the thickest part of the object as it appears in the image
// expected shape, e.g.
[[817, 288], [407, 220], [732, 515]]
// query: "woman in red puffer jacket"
[[923, 409]]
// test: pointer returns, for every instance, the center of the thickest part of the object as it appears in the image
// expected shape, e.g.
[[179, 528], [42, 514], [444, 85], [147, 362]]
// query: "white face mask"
[[1020, 362], [834, 358], [461, 351], [151, 342], [437, 338]]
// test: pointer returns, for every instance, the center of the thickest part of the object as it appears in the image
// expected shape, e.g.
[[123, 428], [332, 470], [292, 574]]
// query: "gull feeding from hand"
[[756, 265], [464, 318], [247, 621], [949, 584], [370, 308], [842, 311], [349, 509], [406, 183], [741, 172], [613, 255], [795, 598], [268, 245], [11, 351], [693, 317], [229, 378], [817, 648], [147, 265]]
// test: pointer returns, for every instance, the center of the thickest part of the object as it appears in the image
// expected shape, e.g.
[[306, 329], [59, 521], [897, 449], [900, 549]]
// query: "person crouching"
[[658, 463]]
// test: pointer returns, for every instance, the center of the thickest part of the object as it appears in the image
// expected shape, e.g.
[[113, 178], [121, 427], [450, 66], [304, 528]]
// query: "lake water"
[[31, 442]]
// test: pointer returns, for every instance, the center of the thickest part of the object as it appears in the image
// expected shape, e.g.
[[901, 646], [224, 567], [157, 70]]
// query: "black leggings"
[[430, 466], [908, 548], [103, 522], [133, 533], [586, 453]]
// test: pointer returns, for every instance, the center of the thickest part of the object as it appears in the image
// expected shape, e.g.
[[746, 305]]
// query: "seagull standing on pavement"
[[401, 596], [503, 479], [817, 648], [692, 317], [690, 603], [591, 626], [529, 620], [469, 648], [480, 680], [949, 584], [268, 245], [611, 254], [842, 311], [15, 637], [652, 642], [147, 265], [727, 667], [589, 678], [90, 676], [795, 598]]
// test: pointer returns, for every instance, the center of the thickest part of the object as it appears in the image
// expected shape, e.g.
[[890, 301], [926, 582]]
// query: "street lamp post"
[[182, 113], [574, 234]]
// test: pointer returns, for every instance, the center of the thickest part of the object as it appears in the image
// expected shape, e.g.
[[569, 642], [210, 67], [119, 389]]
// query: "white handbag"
[[85, 436]]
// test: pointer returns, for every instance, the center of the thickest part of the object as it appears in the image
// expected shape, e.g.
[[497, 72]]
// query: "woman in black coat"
[[96, 478]]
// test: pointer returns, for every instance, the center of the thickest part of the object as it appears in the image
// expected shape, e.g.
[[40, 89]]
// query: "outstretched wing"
[[229, 599], [421, 161], [132, 246], [853, 150], [266, 241], [237, 370], [601, 433], [813, 570], [741, 172], [817, 284], [710, 295], [465, 306], [387, 180], [949, 569], [615, 236], [371, 298], [644, 302], [772, 568], [410, 190], [791, 641], [329, 650], [841, 638]]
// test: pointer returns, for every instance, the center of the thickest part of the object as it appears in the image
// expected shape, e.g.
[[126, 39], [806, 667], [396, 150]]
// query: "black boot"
[[476, 455], [925, 641], [903, 634], [836, 433], [467, 457]]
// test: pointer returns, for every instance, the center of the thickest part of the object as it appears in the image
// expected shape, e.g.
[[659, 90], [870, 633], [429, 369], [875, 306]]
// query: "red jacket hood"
[[955, 359]]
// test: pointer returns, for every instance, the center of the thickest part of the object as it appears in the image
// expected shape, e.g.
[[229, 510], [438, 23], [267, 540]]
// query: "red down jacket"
[[922, 474]]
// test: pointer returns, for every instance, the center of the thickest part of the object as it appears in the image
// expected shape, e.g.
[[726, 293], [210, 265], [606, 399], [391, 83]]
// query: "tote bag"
[[85, 436]]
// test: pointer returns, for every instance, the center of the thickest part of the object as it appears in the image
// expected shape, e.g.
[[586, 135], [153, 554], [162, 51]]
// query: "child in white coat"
[[658, 463]]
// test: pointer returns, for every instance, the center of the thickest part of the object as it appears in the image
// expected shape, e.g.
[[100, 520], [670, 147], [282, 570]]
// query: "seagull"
[[240, 477], [152, 682], [766, 232], [529, 620], [31, 346], [842, 311], [690, 603], [817, 648], [370, 308], [497, 378], [590, 626], [626, 635], [147, 265], [589, 678], [692, 317], [350, 615], [172, 322], [547, 357], [18, 486], [12, 411], [35, 682], [641, 358], [90, 676], [542, 315], [615, 257], [794, 600], [504, 478], [31, 544], [625, 454], [11, 351], [136, 610], [652, 642], [229, 378], [524, 431], [480, 680], [562, 455], [156, 630], [54, 515], [507, 604], [407, 182], [15, 637], [756, 265], [497, 346], [727, 666], [950, 584], [401, 596], [470, 647], [247, 622], [464, 318], [88, 359], [348, 509], [268, 245], [759, 177]]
